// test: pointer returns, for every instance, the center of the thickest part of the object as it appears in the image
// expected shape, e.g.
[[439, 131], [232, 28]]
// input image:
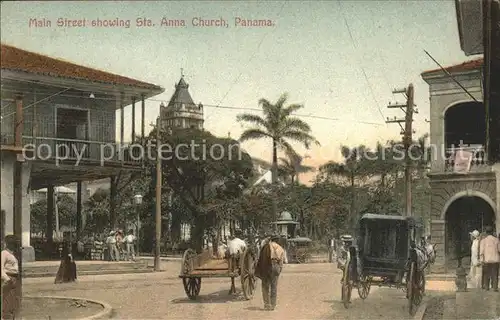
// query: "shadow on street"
[[222, 296]]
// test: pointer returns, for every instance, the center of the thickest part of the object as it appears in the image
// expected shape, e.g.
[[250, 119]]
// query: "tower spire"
[[182, 72]]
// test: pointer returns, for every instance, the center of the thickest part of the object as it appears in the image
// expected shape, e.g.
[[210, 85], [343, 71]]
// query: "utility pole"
[[407, 133], [158, 197], [18, 193]]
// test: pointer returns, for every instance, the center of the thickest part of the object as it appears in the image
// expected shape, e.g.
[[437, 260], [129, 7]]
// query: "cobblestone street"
[[307, 291]]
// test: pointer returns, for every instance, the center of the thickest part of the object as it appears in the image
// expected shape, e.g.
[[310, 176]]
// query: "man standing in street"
[[490, 259], [475, 272], [112, 248], [130, 240], [268, 269], [235, 246]]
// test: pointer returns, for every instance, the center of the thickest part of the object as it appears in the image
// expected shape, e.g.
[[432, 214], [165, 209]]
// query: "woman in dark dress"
[[67, 269]]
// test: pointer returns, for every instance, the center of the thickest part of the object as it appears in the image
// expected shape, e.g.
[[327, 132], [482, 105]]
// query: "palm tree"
[[280, 126], [355, 167], [292, 166]]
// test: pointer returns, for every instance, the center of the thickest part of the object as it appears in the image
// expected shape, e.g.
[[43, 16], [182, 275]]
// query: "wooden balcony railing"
[[479, 159], [101, 153]]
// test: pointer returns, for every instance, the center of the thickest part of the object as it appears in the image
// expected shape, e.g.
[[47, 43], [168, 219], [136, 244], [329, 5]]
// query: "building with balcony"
[[465, 136], [467, 200], [181, 111], [58, 127]]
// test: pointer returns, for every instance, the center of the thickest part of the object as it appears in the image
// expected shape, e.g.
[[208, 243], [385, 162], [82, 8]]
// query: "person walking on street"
[[67, 268], [489, 252], [268, 269], [10, 279], [475, 273], [112, 248], [130, 240]]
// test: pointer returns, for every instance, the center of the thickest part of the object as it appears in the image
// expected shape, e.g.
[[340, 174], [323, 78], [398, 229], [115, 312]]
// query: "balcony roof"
[[15, 59], [470, 65]]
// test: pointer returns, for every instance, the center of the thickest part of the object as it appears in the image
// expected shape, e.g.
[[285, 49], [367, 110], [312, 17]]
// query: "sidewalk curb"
[[105, 314], [421, 311]]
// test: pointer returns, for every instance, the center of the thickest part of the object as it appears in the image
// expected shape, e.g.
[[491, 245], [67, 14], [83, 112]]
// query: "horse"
[[426, 254]]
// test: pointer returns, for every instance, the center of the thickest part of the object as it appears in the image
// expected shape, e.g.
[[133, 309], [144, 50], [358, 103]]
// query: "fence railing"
[[46, 148], [479, 158]]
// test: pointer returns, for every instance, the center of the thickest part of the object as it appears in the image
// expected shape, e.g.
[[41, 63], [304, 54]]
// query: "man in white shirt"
[[10, 283], [130, 240], [235, 247], [475, 265], [489, 252], [112, 248]]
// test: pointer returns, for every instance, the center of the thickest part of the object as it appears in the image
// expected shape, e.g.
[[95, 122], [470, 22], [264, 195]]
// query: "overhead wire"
[[167, 101], [250, 60], [353, 42]]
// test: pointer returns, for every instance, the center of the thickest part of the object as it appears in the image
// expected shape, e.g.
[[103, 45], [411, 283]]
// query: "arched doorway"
[[463, 216], [468, 133]]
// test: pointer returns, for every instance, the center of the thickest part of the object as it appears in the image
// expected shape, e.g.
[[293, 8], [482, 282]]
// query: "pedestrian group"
[[120, 246], [485, 259]]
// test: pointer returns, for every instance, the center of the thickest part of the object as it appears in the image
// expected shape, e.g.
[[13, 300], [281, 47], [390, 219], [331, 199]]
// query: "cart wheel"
[[247, 273], [346, 288], [301, 258], [364, 287], [414, 290], [192, 287]]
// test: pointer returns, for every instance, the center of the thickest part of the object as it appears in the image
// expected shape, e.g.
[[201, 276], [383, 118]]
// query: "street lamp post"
[[138, 202]]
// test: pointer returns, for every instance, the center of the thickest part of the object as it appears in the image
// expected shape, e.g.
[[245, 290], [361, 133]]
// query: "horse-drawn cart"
[[197, 266], [386, 255]]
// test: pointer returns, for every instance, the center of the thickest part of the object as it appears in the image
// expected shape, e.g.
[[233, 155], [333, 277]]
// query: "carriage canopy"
[[384, 240]]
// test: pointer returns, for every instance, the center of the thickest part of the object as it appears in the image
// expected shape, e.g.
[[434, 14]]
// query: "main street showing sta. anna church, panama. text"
[[143, 22]]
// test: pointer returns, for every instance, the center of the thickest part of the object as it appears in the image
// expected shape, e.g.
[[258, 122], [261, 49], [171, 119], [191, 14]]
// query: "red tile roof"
[[16, 59], [465, 66]]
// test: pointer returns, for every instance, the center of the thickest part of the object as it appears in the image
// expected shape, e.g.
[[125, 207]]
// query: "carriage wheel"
[[364, 287], [346, 287], [247, 273], [301, 258], [192, 287], [422, 283], [414, 290]]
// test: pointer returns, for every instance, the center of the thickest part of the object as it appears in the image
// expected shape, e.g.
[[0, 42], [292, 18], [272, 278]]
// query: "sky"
[[341, 59]]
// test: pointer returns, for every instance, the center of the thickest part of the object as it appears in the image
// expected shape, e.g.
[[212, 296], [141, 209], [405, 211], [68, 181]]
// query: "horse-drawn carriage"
[[206, 265], [387, 255]]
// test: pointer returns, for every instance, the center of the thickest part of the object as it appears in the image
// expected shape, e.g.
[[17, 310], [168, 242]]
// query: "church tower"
[[181, 111]]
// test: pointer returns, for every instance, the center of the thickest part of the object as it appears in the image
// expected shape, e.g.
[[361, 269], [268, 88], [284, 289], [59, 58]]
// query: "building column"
[[112, 203], [438, 237], [133, 120], [50, 214], [143, 111], [79, 210], [28, 250], [122, 120], [496, 169]]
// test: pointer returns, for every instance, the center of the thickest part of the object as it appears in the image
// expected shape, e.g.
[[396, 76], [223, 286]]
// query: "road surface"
[[305, 291]]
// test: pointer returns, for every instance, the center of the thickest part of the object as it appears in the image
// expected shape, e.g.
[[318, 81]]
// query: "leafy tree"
[[66, 207], [97, 212], [354, 170], [203, 177]]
